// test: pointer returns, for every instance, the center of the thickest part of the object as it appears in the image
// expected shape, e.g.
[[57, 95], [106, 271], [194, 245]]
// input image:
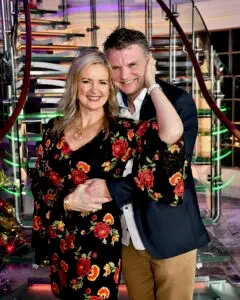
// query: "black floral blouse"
[[84, 248]]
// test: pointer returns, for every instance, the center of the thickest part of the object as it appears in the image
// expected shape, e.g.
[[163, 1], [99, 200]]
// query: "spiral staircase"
[[54, 44]]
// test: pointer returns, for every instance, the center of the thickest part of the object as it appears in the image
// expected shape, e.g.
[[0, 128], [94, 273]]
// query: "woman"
[[84, 247]]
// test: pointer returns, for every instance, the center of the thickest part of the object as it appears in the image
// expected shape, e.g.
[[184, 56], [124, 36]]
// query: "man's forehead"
[[126, 55]]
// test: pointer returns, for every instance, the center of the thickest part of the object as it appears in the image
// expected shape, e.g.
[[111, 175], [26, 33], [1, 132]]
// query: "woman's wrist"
[[152, 87], [66, 203]]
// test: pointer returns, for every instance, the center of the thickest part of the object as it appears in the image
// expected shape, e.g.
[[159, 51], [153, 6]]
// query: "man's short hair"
[[121, 38]]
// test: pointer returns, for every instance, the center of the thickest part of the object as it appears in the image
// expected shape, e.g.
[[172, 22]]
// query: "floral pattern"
[[84, 248]]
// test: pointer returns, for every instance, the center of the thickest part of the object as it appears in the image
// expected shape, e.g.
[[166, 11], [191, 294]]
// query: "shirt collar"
[[121, 98]]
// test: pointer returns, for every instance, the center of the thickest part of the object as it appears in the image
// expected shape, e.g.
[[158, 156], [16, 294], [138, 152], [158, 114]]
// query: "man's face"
[[128, 69]]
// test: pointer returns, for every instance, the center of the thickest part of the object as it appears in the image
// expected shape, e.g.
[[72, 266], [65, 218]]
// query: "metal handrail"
[[231, 127], [26, 80]]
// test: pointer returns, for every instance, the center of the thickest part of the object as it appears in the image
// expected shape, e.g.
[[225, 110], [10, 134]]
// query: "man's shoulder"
[[174, 93]]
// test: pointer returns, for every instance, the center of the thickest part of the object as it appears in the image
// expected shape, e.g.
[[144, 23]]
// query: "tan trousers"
[[158, 279]]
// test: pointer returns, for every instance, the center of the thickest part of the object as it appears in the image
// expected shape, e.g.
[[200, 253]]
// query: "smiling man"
[[159, 242]]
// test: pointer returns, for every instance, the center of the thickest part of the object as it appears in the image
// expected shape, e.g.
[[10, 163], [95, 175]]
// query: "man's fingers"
[[90, 181], [101, 200]]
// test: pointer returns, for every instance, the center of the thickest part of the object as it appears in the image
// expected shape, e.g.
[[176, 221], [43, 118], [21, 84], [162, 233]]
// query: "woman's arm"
[[48, 196], [169, 122]]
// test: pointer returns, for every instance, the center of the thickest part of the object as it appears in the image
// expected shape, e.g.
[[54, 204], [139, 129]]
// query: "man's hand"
[[150, 71], [88, 196], [98, 188]]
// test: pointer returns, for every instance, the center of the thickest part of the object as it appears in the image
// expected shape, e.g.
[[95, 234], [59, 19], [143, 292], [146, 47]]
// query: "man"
[[159, 241]]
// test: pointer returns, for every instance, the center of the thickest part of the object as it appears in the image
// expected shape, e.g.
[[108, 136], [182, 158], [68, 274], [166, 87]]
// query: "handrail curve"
[[26, 80], [221, 116]]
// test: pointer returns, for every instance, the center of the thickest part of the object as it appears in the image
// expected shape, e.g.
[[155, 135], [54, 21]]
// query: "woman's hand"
[[85, 198]]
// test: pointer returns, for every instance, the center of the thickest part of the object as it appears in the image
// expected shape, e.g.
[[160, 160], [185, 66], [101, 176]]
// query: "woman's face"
[[93, 87]]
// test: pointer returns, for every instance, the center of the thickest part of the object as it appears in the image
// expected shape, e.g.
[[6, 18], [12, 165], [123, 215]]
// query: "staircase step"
[[159, 42], [48, 58], [39, 11], [53, 34], [44, 22], [42, 48]]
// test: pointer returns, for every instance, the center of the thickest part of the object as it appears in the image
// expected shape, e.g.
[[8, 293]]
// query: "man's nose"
[[124, 73]]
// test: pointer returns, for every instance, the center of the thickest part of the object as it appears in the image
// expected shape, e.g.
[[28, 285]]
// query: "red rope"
[[198, 73], [26, 80]]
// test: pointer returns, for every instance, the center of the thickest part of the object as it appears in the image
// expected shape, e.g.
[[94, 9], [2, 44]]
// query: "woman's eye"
[[103, 82]]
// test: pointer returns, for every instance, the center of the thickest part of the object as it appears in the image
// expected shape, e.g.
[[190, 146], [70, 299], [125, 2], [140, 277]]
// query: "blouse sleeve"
[[159, 167], [48, 196]]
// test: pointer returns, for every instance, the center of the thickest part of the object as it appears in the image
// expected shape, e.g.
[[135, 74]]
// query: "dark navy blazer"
[[167, 231]]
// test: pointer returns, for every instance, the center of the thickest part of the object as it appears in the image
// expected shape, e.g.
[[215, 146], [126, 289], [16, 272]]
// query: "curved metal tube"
[[198, 72], [26, 79]]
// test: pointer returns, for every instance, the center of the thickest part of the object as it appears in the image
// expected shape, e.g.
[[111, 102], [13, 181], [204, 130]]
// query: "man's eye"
[[85, 81], [132, 65], [115, 68]]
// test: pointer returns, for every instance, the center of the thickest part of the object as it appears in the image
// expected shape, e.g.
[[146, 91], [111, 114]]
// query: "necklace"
[[79, 133]]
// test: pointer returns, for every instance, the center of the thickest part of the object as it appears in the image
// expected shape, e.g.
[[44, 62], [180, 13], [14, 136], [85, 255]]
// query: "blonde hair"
[[69, 104]]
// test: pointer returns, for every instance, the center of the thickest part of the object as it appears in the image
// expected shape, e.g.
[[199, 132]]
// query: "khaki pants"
[[158, 279]]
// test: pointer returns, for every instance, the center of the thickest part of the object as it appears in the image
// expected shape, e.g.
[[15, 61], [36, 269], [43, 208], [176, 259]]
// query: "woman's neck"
[[89, 118]]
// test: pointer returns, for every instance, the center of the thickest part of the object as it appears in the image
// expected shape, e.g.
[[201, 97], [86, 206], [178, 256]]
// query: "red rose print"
[[104, 292], [94, 217], [127, 155], [116, 275], [40, 150], [51, 232], [78, 177], [145, 179], [173, 180], [155, 125], [88, 291], [82, 166], [94, 273], [64, 266], [37, 223], [142, 128], [55, 258], [179, 188], [101, 230], [62, 277], [63, 245], [60, 143], [66, 149], [130, 134], [83, 266], [96, 298], [69, 238], [55, 288], [119, 148], [49, 197], [55, 177], [126, 124]]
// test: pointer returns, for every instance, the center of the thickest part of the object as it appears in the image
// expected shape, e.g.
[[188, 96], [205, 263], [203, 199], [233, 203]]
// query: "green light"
[[220, 187], [11, 163], [10, 192], [24, 139], [221, 131], [222, 156], [40, 116], [36, 115]]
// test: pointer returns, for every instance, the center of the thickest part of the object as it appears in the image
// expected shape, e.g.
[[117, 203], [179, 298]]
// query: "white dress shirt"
[[129, 228]]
